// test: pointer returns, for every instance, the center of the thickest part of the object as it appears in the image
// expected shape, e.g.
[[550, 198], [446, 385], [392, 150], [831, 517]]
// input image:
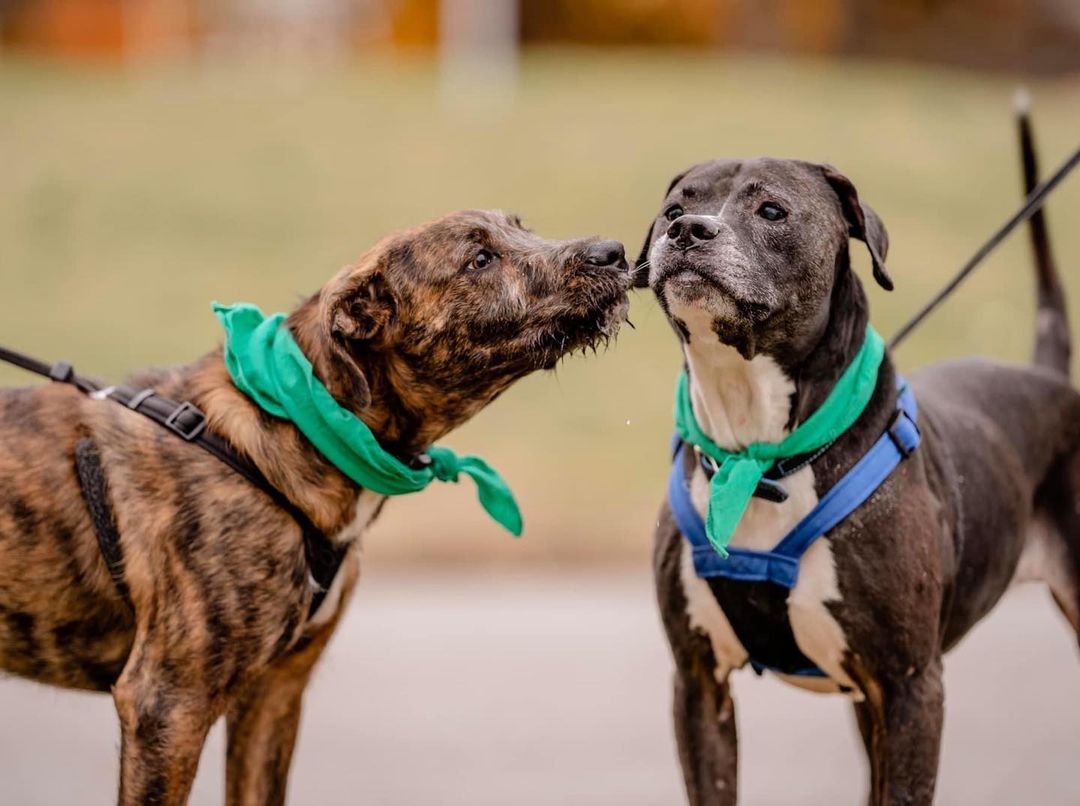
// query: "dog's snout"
[[688, 230], [605, 253]]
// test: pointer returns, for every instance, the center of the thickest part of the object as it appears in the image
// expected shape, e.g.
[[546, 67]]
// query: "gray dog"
[[749, 260]]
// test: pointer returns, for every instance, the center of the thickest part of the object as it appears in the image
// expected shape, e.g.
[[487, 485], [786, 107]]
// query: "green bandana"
[[739, 472], [266, 364]]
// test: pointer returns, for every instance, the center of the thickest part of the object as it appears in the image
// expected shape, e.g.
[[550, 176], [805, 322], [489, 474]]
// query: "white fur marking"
[[816, 632], [366, 507], [738, 402], [706, 616]]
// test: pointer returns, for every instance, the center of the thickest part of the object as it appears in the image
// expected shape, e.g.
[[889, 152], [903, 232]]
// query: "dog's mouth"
[[684, 281], [589, 320], [688, 283]]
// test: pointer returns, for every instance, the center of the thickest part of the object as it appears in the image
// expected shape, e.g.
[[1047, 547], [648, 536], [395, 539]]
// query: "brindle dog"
[[749, 260], [425, 329]]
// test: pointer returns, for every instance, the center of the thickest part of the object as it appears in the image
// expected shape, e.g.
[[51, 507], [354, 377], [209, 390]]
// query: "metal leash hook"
[[1032, 205]]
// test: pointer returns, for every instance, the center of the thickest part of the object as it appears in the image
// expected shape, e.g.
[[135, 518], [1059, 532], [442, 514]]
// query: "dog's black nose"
[[687, 230], [605, 253]]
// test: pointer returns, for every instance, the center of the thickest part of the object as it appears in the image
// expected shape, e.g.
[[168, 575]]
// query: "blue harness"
[[781, 565]]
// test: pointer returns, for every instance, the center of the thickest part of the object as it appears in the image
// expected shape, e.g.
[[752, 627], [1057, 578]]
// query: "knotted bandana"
[[267, 365], [738, 472]]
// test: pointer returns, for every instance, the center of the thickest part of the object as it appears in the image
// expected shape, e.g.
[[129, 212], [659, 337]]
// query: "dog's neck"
[[399, 420], [406, 414], [289, 462], [738, 401]]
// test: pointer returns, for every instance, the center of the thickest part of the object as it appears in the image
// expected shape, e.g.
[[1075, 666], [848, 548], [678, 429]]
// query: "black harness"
[[188, 422]]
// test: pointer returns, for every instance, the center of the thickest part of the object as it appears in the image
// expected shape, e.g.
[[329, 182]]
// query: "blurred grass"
[[129, 200]]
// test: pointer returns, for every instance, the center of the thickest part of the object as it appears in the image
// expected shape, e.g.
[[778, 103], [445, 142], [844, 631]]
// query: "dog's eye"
[[771, 211], [483, 259], [672, 213]]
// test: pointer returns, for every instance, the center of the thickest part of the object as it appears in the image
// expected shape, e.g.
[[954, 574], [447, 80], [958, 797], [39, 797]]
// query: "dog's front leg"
[[264, 716], [705, 733], [262, 727], [703, 707], [263, 721], [901, 723], [164, 718]]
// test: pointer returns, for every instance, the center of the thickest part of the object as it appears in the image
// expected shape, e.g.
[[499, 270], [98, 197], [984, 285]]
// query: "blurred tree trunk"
[[478, 42]]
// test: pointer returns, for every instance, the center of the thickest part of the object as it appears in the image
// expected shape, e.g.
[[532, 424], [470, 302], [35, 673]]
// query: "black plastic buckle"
[[771, 491], [61, 372], [188, 431], [905, 451], [766, 489]]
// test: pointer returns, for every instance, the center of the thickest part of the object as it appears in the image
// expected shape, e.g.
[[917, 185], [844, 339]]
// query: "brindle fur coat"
[[423, 331]]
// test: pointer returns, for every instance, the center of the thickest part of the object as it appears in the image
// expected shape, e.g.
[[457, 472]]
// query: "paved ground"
[[499, 689]]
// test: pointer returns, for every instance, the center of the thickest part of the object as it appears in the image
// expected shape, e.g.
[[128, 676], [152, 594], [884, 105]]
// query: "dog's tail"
[[1052, 338]]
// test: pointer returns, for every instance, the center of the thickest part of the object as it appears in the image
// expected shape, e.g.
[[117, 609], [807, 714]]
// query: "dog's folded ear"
[[641, 268], [363, 309], [863, 223], [358, 315]]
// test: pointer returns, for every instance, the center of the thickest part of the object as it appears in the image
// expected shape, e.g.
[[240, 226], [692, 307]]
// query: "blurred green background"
[[131, 199]]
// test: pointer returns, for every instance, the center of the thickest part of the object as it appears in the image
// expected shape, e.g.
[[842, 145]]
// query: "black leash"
[[188, 422], [1034, 202], [60, 371]]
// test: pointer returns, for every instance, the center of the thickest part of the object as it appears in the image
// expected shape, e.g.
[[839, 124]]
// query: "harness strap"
[[781, 565], [769, 487], [96, 494], [898, 442], [188, 422]]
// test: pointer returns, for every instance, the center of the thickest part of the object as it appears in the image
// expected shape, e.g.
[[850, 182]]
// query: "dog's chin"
[[734, 322], [688, 287]]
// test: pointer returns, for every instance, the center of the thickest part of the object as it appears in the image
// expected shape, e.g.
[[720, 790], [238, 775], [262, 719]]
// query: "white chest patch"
[[706, 616], [366, 507], [738, 402]]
